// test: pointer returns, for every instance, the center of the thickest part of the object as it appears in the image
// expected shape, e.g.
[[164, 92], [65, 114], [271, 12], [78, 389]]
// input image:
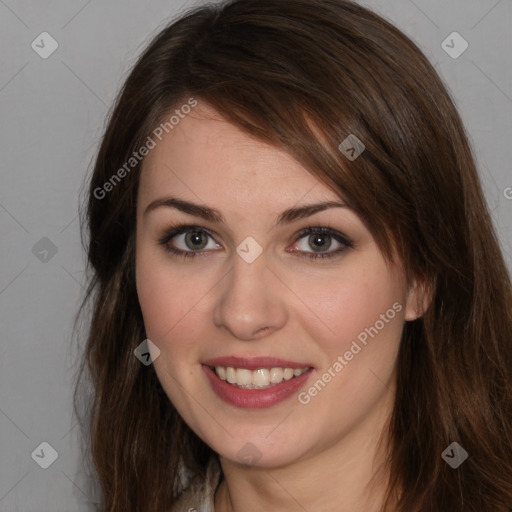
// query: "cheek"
[[172, 298], [358, 337], [357, 304], [166, 300], [335, 308]]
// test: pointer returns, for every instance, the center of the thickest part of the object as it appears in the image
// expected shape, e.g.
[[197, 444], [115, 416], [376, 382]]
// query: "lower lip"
[[255, 398]]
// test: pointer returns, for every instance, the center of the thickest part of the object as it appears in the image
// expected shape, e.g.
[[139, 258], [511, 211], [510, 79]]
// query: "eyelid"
[[177, 229], [325, 229]]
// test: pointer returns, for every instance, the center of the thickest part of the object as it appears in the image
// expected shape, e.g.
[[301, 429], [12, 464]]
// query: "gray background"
[[52, 115]]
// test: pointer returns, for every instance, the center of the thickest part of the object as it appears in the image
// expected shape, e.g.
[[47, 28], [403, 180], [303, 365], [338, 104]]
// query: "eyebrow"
[[212, 215]]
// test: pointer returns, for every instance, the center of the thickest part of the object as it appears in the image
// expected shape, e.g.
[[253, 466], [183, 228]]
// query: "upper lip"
[[254, 363]]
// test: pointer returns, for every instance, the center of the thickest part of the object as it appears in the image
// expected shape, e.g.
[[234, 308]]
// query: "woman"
[[339, 337]]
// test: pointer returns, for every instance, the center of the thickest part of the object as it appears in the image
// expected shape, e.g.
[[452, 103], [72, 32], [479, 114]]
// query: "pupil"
[[317, 240], [195, 238]]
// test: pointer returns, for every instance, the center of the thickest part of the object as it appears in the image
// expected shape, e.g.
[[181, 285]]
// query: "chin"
[[254, 449]]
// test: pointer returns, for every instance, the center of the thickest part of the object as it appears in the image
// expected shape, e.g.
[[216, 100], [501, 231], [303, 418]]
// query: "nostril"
[[263, 330]]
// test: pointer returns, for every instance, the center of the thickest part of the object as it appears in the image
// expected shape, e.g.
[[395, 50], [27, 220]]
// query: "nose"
[[251, 300]]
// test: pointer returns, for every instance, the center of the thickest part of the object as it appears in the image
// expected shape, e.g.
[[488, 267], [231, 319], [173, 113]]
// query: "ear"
[[419, 297]]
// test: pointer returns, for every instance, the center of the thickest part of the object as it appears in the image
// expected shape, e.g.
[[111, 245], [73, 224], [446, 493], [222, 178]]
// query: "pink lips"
[[255, 398]]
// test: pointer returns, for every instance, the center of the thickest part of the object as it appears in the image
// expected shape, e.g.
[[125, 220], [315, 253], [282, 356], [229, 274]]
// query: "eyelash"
[[310, 230]]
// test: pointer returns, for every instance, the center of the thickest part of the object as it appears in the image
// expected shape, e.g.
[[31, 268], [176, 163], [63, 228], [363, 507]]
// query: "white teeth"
[[288, 373], [276, 375], [243, 377], [257, 379], [231, 375], [260, 377]]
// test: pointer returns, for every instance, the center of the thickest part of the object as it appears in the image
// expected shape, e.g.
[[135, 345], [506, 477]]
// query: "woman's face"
[[250, 301]]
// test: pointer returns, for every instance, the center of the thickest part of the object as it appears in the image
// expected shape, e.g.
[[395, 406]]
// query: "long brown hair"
[[303, 75]]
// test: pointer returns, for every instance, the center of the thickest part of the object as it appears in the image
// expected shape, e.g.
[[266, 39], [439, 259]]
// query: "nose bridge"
[[249, 298]]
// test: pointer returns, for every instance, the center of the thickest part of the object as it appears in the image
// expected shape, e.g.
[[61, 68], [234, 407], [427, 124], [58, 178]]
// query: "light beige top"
[[198, 495]]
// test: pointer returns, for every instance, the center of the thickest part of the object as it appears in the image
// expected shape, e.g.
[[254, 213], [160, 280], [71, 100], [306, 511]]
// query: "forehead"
[[206, 158]]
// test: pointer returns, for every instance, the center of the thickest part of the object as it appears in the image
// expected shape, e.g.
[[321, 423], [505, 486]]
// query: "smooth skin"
[[315, 456]]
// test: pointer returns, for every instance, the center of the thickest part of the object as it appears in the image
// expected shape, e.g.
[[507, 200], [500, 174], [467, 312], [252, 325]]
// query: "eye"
[[191, 241], [320, 239]]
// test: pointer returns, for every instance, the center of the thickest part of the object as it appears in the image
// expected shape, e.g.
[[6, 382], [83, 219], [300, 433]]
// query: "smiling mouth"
[[261, 378]]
